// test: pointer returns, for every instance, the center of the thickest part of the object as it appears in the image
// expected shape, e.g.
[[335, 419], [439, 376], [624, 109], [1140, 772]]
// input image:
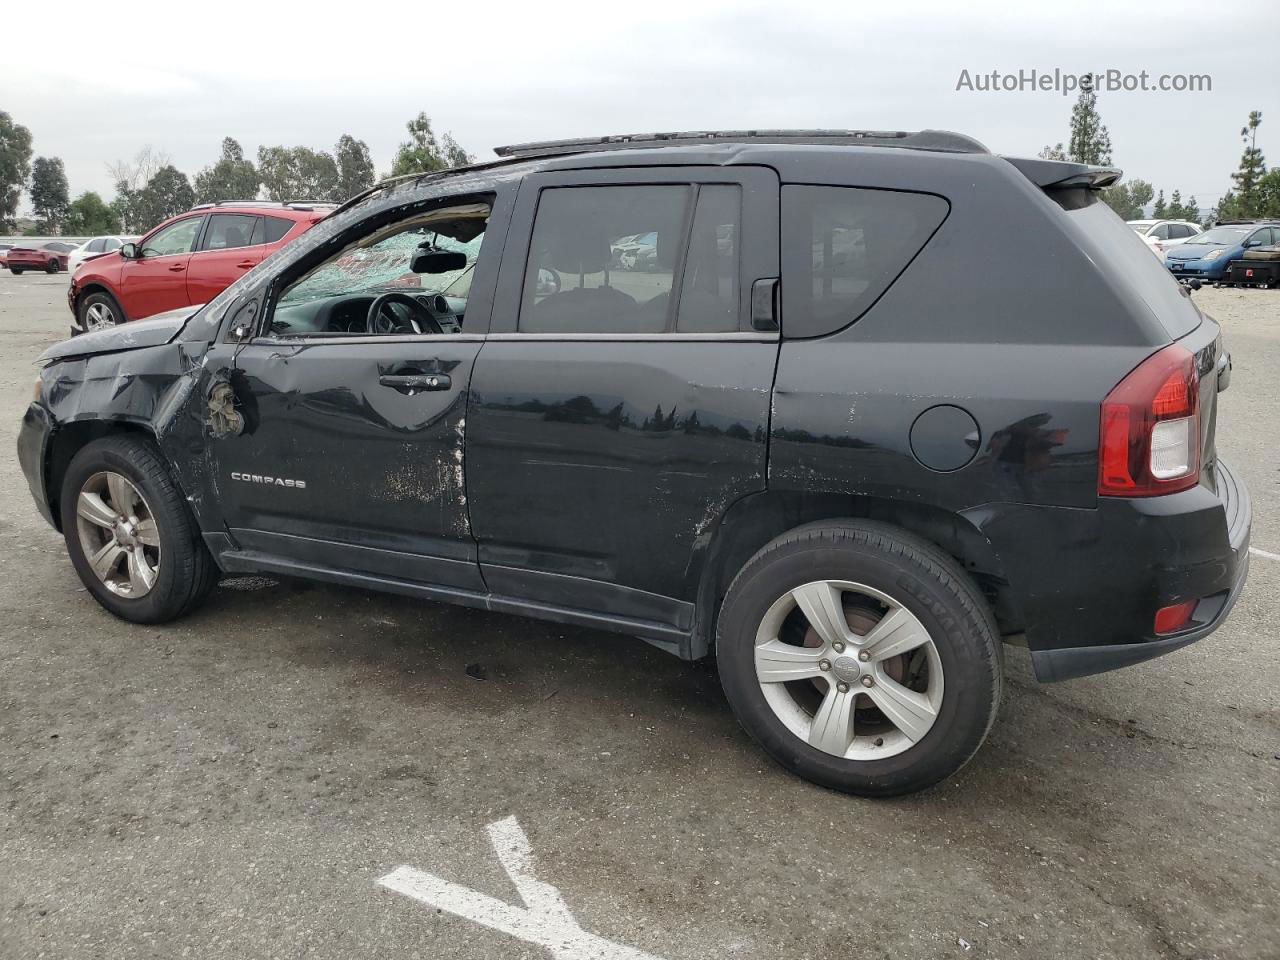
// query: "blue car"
[[1205, 256]]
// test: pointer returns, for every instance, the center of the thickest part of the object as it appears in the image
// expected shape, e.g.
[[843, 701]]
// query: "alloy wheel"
[[849, 670], [98, 317], [118, 534]]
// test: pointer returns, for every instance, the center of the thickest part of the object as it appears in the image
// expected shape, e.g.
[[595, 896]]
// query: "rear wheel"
[[16, 271], [130, 535], [51, 266], [860, 657]]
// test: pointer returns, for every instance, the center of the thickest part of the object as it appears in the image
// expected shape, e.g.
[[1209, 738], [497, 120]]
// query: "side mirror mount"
[[130, 251], [437, 261]]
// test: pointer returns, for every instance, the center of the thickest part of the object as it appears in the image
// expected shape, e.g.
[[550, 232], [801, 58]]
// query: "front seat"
[[582, 308]]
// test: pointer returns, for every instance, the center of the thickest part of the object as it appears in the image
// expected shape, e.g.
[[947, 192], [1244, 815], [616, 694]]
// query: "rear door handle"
[[413, 382], [245, 264], [177, 267]]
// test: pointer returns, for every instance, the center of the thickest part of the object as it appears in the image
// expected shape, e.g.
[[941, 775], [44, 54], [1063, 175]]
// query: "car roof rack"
[[286, 204], [939, 140]]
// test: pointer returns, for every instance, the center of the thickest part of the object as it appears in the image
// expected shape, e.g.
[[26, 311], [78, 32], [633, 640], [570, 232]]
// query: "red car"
[[186, 260], [49, 257]]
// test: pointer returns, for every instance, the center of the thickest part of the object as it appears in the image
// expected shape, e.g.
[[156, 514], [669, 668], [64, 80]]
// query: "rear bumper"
[[1089, 582], [33, 446]]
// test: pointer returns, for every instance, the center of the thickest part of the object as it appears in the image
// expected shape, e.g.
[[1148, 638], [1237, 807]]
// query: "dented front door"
[[351, 456]]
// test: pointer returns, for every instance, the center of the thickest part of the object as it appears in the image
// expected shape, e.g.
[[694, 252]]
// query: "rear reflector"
[[1174, 618], [1149, 434]]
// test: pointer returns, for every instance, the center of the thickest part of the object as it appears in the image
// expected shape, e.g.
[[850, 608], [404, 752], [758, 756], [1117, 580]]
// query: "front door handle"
[[411, 383], [245, 264], [177, 267]]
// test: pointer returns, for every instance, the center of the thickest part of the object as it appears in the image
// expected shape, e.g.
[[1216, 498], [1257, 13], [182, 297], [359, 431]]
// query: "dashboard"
[[349, 315]]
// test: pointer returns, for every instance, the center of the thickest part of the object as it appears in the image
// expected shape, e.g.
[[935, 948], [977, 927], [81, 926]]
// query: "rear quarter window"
[[842, 248], [276, 228]]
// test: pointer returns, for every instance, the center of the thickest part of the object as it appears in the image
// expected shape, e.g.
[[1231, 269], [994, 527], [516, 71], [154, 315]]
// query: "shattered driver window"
[[417, 258]]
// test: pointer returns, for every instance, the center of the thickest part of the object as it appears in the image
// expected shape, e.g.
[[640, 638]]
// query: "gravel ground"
[[232, 785]]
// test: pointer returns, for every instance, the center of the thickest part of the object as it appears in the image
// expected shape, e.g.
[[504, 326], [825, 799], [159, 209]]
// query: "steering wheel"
[[383, 320]]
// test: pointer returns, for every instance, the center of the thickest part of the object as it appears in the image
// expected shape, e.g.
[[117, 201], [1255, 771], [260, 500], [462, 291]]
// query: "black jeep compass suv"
[[844, 409]]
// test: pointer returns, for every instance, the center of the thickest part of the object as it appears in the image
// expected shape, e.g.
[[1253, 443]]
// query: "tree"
[[50, 196], [15, 167], [1176, 210], [1269, 194], [166, 194], [231, 178], [1244, 200], [130, 177], [1090, 141], [1128, 200], [1161, 210], [297, 173], [423, 153], [89, 215], [1053, 153], [1193, 210], [355, 167]]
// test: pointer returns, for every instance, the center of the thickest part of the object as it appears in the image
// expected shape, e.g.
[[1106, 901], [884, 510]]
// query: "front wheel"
[[129, 532], [51, 266], [98, 311], [860, 657], [16, 271]]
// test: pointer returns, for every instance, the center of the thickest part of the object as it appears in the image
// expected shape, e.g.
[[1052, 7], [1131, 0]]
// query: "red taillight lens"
[[1174, 618], [1149, 435]]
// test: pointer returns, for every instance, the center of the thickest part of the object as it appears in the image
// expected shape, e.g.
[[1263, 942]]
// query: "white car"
[[1160, 235], [95, 247]]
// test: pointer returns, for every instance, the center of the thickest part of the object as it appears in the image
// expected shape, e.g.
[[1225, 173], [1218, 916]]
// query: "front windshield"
[[1220, 236]]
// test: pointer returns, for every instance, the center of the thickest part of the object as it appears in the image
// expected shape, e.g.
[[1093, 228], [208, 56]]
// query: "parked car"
[[847, 470], [1160, 235], [49, 257], [1206, 256], [186, 260], [93, 248]]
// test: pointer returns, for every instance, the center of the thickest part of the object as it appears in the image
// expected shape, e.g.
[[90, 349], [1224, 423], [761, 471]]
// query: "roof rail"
[[282, 204], [940, 140]]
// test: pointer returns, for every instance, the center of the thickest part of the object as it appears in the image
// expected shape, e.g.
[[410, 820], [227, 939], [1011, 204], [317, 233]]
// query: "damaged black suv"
[[761, 395]]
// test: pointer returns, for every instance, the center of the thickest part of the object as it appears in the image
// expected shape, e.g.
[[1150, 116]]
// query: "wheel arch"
[[98, 286], [756, 520], [68, 440]]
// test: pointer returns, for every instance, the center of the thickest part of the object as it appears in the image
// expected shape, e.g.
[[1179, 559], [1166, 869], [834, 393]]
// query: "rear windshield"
[[1130, 261]]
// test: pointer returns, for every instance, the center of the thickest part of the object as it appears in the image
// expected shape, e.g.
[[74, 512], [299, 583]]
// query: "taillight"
[[1149, 436]]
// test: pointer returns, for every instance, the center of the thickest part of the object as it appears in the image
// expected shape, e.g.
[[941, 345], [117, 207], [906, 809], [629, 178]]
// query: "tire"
[[182, 572], [51, 266], [16, 271], [97, 311], [874, 571]]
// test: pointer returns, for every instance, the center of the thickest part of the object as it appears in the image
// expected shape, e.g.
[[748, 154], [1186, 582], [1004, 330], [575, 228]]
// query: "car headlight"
[[1213, 255]]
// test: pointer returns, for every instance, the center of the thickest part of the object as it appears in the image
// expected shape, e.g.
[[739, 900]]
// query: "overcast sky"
[[100, 80]]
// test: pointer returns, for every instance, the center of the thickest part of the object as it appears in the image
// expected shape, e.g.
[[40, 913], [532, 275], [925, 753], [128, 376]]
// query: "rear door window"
[[842, 247], [603, 259], [228, 230]]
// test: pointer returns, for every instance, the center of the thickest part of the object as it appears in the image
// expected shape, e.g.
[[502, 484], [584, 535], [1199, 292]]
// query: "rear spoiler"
[[1063, 174]]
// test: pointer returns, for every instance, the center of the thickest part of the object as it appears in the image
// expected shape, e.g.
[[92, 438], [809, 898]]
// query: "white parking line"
[[545, 919], [1264, 553]]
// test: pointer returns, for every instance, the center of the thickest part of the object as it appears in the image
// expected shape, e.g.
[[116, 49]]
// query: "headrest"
[[583, 251]]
